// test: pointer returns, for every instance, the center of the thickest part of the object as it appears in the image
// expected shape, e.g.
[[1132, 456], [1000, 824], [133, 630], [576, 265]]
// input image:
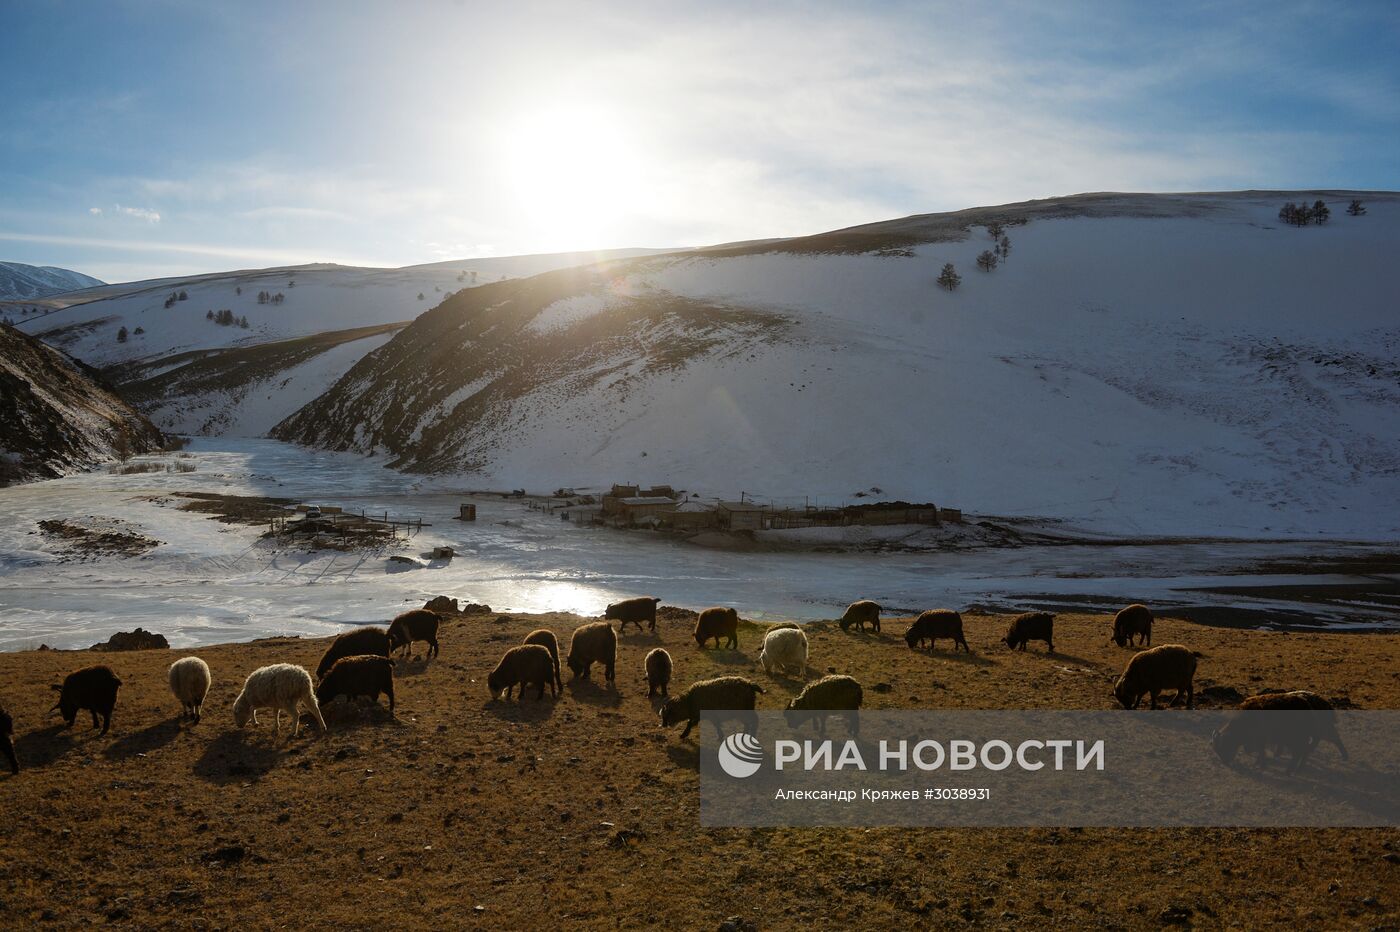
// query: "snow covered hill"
[[56, 417], [1136, 364], [184, 349], [19, 281]]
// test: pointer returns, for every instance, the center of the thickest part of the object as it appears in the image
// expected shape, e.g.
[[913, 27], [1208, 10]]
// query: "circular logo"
[[740, 755]]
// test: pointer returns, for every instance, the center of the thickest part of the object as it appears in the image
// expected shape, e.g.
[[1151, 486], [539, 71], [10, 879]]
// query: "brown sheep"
[[417, 625], [635, 610], [1149, 672], [658, 670], [91, 688], [353, 643], [1133, 621], [1297, 735], [546, 639], [1031, 626], [717, 623], [935, 624], [723, 693], [826, 695], [526, 665], [362, 675], [860, 613], [595, 642]]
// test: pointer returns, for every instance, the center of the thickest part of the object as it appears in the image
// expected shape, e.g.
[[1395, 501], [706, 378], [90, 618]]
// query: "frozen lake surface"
[[212, 582]]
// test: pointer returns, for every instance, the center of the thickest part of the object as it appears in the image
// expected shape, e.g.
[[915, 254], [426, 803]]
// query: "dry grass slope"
[[459, 811]]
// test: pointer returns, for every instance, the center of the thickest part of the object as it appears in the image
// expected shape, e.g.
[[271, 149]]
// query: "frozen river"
[[211, 582]]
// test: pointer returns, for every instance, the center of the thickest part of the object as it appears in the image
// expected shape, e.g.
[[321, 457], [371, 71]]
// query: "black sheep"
[[362, 675], [91, 688], [7, 730], [353, 643]]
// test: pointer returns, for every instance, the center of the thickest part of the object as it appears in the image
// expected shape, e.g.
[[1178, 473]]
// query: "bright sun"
[[573, 174]]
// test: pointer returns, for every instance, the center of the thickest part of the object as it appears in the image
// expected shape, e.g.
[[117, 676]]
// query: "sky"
[[145, 138]]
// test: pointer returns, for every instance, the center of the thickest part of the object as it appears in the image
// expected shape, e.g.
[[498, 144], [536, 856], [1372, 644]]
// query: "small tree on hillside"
[[949, 277], [1356, 208], [184, 295], [121, 335], [238, 289], [987, 260], [208, 315], [138, 331], [420, 296], [1320, 213], [121, 445], [1004, 246], [994, 230]]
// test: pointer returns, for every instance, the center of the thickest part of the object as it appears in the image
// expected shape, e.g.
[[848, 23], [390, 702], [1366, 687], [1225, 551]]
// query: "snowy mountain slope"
[[316, 300], [55, 417], [1169, 364], [19, 281]]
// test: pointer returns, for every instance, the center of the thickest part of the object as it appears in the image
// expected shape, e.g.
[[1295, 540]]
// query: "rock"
[[474, 608], [442, 605], [140, 639], [1175, 915], [229, 854], [738, 924], [625, 838], [882, 687]]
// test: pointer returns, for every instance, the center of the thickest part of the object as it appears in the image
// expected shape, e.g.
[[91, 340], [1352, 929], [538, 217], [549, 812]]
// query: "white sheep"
[[784, 648], [281, 686], [189, 681]]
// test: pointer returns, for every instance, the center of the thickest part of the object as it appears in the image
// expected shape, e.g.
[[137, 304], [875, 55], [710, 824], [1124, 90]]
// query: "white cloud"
[[140, 213], [95, 211]]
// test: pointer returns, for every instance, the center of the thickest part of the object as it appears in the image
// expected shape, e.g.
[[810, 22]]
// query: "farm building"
[[692, 516], [740, 516], [640, 508]]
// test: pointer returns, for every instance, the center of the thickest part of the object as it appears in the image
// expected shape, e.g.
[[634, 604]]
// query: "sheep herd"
[[358, 664]]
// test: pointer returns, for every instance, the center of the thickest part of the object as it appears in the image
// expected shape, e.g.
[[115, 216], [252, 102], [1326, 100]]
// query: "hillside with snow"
[[236, 352], [19, 281], [56, 417], [1136, 364]]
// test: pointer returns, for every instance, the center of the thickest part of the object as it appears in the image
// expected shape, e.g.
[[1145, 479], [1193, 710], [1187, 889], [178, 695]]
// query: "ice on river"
[[212, 582]]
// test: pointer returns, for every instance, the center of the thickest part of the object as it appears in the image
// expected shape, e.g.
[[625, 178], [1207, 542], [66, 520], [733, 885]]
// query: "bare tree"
[[987, 260]]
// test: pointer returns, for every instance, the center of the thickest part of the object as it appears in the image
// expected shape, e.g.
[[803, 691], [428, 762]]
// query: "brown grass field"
[[457, 811]]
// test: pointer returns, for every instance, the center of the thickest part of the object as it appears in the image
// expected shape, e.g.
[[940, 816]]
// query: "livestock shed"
[[640, 508], [741, 516], [692, 516]]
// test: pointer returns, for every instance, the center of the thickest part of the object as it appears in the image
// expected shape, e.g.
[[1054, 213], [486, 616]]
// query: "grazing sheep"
[[826, 695], [860, 613], [1031, 626], [353, 643], [546, 639], [723, 693], [7, 746], [417, 625], [361, 675], [1151, 671], [526, 665], [284, 687], [91, 688], [935, 624], [595, 642], [658, 669], [189, 681], [717, 623], [635, 610], [1133, 621], [783, 649], [1296, 735]]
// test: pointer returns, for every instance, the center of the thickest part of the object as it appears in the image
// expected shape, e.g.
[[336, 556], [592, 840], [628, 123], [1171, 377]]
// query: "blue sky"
[[158, 137]]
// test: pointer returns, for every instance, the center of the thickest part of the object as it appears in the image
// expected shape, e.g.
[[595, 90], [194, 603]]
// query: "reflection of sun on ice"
[[573, 173]]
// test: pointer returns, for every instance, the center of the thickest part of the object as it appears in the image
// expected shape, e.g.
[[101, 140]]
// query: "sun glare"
[[572, 173]]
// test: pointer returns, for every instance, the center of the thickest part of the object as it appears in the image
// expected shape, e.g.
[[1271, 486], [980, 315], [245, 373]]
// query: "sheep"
[[1296, 735], [189, 681], [526, 665], [284, 687], [352, 643], [859, 613], [828, 694], [1135, 620], [723, 693], [782, 649], [546, 639], [361, 675], [717, 623], [417, 625], [935, 624], [91, 688], [7, 746], [635, 610], [595, 642], [658, 670], [1171, 666], [1031, 626]]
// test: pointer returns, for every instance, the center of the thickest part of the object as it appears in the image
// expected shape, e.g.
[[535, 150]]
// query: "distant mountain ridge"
[[20, 281]]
